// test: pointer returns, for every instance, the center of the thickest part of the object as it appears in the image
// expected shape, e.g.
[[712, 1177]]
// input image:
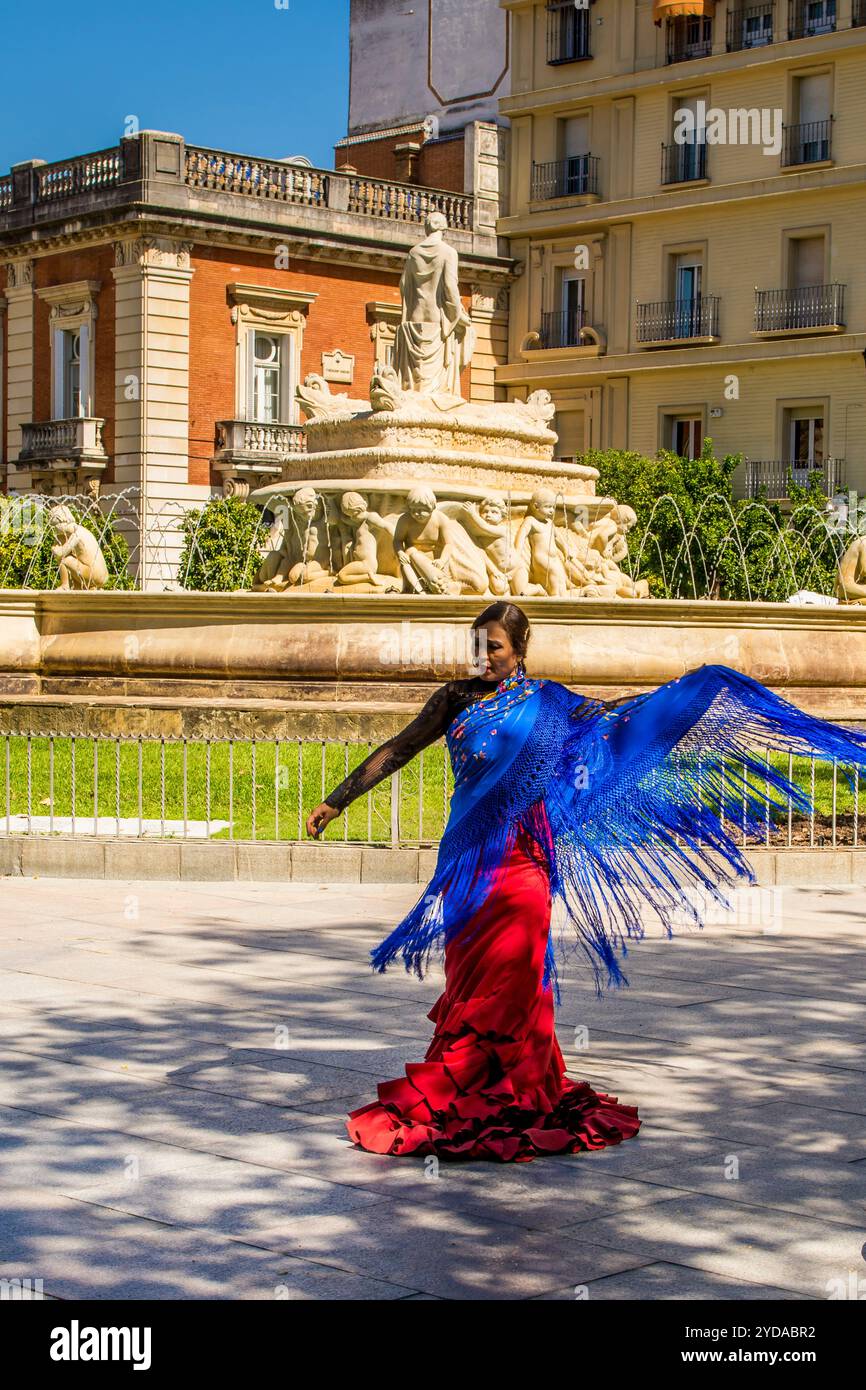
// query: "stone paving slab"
[[801, 1253], [86, 1251], [161, 1138]]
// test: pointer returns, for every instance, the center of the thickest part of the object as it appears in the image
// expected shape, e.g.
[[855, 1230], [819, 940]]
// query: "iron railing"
[[688, 38], [151, 787], [565, 178], [561, 329], [568, 32], [673, 320], [750, 26], [809, 17], [684, 163], [812, 306], [777, 475], [808, 143]]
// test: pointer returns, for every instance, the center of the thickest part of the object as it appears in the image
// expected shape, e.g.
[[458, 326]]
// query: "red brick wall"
[[439, 164], [89, 263], [338, 318]]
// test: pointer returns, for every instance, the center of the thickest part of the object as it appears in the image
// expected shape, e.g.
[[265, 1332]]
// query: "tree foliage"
[[694, 539]]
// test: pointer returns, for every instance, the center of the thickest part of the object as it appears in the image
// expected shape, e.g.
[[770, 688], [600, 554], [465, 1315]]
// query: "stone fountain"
[[418, 491], [411, 510]]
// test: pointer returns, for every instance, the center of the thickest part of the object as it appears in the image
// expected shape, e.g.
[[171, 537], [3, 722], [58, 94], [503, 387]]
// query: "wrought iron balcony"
[[688, 38], [561, 329], [568, 31], [259, 444], [804, 310], [750, 26], [678, 320], [565, 178], [809, 143], [63, 442], [684, 163], [777, 475], [809, 17]]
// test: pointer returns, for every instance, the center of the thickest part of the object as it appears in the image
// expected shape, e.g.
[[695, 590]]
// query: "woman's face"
[[496, 656]]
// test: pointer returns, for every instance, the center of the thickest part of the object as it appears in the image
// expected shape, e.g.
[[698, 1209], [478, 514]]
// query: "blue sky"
[[238, 75]]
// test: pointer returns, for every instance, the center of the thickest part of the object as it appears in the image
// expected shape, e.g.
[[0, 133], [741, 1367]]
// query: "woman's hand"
[[320, 818]]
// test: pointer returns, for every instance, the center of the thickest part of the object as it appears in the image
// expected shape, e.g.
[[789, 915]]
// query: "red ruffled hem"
[[494, 1124]]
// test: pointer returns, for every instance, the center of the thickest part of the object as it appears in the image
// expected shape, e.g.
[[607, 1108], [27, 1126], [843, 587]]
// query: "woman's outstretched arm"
[[424, 729]]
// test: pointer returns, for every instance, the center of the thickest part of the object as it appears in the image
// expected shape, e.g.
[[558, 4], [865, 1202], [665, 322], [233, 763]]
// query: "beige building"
[[687, 202]]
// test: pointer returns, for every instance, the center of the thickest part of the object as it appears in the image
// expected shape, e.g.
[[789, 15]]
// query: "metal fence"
[[260, 789]]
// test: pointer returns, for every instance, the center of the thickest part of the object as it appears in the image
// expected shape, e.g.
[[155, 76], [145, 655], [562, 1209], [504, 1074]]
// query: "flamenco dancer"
[[606, 808]]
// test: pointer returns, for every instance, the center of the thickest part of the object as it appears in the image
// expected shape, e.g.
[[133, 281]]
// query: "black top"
[[428, 726], [432, 722]]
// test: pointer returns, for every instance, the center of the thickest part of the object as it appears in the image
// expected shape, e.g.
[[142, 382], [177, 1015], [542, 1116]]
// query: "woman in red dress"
[[605, 807], [492, 1084]]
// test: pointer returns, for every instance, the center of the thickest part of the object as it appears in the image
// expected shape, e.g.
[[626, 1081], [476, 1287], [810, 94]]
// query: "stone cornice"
[[343, 250], [211, 607]]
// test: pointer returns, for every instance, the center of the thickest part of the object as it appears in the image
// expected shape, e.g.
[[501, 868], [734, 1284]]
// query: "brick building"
[[162, 301]]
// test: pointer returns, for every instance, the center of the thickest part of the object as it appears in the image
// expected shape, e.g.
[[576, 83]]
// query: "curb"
[[246, 861]]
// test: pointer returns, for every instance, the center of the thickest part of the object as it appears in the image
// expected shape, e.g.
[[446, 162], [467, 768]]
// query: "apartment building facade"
[[686, 200]]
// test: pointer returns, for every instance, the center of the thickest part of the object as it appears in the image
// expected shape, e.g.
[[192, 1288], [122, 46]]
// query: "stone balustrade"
[[81, 175], [73, 440], [108, 177], [255, 178]]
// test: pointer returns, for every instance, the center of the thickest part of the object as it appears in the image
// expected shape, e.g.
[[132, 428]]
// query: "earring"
[[521, 668]]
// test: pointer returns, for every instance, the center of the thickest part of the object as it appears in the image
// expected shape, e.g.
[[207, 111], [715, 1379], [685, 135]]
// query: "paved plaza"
[[178, 1059]]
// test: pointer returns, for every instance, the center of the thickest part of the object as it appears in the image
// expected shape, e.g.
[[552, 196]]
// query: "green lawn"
[[284, 792]]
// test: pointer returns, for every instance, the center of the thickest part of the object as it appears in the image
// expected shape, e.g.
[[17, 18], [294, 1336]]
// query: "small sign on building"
[[338, 366]]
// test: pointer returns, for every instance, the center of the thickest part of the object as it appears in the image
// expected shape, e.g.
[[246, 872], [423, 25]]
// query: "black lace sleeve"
[[425, 729]]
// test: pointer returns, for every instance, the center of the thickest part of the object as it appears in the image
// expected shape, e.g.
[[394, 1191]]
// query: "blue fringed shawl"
[[636, 799]]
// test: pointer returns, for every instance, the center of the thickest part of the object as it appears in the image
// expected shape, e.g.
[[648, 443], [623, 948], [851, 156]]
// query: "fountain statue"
[[851, 574], [419, 491], [78, 554], [435, 339]]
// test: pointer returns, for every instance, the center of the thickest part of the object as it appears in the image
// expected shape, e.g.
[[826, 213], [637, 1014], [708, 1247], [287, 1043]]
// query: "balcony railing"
[[688, 38], [273, 182], [809, 143], [562, 328], [256, 441], [777, 475], [255, 178], [565, 178], [858, 13], [684, 163], [78, 440], [678, 320], [810, 307], [402, 202], [750, 26], [568, 31], [809, 17]]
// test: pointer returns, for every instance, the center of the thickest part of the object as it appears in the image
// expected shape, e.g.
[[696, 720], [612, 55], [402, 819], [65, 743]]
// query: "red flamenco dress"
[[492, 1084]]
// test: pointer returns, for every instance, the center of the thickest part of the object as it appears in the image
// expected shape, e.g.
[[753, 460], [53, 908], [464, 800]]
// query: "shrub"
[[223, 545]]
